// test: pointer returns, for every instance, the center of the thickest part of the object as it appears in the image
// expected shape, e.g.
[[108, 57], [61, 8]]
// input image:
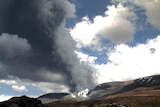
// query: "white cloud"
[[152, 8], [12, 45], [5, 97], [8, 82], [127, 62], [86, 57], [19, 88], [115, 25], [44, 87], [15, 83], [84, 32]]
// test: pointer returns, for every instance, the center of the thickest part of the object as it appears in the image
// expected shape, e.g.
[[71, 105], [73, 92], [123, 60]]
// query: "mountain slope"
[[106, 90], [52, 97], [113, 88], [149, 81], [139, 97]]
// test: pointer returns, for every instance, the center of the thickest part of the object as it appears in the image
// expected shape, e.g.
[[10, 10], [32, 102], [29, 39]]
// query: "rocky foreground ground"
[[22, 102]]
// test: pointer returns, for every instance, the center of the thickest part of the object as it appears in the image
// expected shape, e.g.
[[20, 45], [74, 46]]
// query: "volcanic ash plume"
[[36, 46]]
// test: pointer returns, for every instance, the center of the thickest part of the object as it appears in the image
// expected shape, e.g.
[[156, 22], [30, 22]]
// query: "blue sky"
[[84, 7], [120, 39], [144, 29], [117, 39]]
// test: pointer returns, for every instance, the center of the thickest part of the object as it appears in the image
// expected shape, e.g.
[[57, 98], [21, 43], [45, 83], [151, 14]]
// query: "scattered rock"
[[117, 105]]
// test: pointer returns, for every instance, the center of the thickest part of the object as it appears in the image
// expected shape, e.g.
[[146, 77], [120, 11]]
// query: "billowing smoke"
[[35, 46]]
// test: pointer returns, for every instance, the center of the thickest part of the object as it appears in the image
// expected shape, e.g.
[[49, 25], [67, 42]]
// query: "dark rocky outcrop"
[[22, 102]]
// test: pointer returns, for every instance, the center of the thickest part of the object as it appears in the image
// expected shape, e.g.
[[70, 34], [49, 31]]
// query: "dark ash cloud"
[[39, 26]]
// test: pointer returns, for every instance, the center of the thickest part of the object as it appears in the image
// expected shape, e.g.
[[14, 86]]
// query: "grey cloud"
[[12, 46], [40, 24]]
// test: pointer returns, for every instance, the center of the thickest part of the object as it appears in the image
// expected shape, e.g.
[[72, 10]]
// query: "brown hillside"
[[140, 97]]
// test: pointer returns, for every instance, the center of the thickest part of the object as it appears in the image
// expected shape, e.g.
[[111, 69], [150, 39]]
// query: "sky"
[[72, 45]]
